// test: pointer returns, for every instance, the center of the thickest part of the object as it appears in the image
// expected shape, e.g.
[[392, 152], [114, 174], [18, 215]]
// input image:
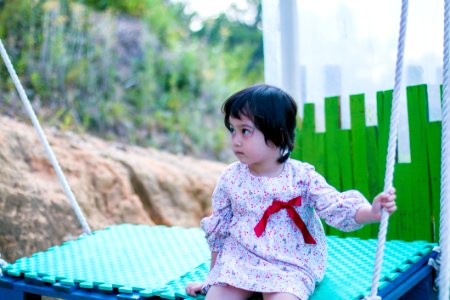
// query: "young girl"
[[265, 233]]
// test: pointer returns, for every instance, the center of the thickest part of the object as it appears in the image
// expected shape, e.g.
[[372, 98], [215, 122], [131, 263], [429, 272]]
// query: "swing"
[[153, 262]]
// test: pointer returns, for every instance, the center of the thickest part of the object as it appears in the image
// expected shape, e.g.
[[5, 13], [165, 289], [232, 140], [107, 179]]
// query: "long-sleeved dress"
[[279, 260]]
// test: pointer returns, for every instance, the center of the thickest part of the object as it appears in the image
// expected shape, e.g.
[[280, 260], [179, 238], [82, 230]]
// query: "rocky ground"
[[113, 184]]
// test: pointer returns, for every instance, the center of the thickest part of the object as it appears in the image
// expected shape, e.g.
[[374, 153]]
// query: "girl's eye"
[[246, 132], [231, 129]]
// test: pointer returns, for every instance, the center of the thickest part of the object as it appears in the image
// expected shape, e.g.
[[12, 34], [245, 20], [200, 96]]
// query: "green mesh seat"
[[141, 262]]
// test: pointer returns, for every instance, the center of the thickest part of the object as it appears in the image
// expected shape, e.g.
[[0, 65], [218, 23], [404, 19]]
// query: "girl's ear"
[[284, 154], [284, 151]]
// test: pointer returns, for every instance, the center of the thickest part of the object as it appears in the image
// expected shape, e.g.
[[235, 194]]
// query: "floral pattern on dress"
[[279, 260]]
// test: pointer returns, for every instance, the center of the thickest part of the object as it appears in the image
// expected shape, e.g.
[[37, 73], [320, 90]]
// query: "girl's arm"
[[194, 288], [372, 213]]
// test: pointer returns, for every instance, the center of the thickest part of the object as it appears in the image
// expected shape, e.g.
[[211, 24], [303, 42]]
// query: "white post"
[[290, 68], [281, 50], [271, 41]]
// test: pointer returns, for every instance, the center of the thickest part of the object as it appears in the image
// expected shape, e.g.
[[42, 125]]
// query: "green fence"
[[355, 158]]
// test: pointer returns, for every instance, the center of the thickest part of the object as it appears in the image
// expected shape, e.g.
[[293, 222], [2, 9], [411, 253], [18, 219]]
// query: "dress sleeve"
[[337, 209], [216, 226]]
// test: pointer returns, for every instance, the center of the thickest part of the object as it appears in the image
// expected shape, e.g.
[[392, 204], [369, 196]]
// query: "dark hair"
[[273, 111]]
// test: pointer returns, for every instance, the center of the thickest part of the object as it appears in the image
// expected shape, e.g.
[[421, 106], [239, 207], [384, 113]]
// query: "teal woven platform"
[[147, 261]]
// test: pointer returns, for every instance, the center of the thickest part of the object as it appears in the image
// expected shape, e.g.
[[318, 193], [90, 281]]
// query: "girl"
[[265, 233]]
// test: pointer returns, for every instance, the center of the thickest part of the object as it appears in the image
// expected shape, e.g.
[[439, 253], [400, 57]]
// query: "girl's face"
[[249, 146]]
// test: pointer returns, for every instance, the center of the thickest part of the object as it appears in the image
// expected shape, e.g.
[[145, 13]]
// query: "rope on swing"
[[392, 145], [43, 139], [444, 276]]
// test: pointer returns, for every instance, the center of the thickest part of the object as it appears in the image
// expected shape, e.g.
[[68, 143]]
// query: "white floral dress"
[[279, 260]]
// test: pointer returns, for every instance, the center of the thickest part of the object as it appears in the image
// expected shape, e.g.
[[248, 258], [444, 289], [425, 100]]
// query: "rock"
[[113, 184]]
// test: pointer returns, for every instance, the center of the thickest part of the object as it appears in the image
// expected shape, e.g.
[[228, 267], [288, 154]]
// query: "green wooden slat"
[[434, 159], [332, 142], [359, 151], [312, 149], [372, 158], [332, 172], [358, 133], [297, 152], [319, 155], [372, 167], [345, 161], [308, 133], [417, 116], [402, 226], [384, 107]]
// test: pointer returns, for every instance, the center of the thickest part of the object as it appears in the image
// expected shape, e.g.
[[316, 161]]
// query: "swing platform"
[[156, 262]]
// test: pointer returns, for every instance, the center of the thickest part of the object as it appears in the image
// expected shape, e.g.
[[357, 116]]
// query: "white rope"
[[444, 276], [392, 145], [43, 139]]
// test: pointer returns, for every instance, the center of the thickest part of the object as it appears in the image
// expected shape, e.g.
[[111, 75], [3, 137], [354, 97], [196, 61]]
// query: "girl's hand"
[[386, 201], [193, 288]]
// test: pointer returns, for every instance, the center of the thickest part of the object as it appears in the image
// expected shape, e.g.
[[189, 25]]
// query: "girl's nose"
[[236, 140]]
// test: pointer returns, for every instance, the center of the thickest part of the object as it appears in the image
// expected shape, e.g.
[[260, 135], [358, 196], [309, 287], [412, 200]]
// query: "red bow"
[[275, 207]]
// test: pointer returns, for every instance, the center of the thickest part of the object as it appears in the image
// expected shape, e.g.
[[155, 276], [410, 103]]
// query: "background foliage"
[[130, 71]]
